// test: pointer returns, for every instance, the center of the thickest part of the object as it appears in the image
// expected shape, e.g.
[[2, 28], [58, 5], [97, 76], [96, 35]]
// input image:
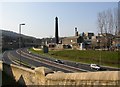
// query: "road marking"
[[3, 55], [54, 62], [17, 62], [10, 57], [38, 58]]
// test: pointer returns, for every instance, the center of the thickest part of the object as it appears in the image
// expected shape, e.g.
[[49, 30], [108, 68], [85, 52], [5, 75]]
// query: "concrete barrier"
[[21, 75], [0, 73], [45, 76], [85, 78], [26, 76], [1, 65]]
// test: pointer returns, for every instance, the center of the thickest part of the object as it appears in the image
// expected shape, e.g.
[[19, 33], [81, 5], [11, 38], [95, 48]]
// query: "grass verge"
[[106, 58]]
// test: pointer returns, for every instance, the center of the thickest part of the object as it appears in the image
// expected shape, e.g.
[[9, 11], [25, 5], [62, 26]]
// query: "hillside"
[[10, 40]]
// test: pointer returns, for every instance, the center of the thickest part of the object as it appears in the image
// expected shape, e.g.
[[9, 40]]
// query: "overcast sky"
[[39, 17]]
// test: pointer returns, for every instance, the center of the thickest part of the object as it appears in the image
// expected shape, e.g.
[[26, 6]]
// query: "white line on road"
[[16, 61], [38, 60], [52, 62]]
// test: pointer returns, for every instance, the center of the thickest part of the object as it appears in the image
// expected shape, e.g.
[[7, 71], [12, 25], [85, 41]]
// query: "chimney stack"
[[56, 31], [76, 32]]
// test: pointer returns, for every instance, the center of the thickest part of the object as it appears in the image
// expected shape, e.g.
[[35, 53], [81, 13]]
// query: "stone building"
[[102, 41], [74, 41], [116, 41], [88, 35]]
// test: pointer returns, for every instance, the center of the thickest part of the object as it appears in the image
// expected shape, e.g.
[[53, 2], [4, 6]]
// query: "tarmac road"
[[22, 57]]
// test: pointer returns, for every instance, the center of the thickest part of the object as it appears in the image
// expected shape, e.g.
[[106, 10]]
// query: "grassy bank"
[[108, 58]]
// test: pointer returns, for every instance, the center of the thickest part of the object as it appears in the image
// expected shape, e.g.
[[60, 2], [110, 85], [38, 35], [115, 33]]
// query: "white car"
[[95, 66], [29, 52]]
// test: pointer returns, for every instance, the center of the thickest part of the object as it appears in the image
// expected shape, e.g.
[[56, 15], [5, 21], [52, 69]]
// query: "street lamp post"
[[99, 41], [116, 40], [20, 40]]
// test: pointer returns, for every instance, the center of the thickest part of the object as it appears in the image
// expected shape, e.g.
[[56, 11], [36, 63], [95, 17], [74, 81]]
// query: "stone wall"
[[1, 65], [26, 76], [84, 78], [0, 73], [45, 76]]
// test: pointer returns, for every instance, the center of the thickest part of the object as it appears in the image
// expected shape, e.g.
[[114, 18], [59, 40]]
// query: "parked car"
[[59, 61], [95, 66]]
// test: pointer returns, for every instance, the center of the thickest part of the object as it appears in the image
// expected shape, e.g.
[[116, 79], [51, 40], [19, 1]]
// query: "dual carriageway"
[[22, 57]]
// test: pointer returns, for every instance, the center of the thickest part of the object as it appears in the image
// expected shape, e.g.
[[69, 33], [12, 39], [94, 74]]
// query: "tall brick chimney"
[[56, 31]]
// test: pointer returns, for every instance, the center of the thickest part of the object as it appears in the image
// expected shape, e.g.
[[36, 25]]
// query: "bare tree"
[[115, 16], [118, 28], [105, 21], [110, 21], [106, 26], [100, 22]]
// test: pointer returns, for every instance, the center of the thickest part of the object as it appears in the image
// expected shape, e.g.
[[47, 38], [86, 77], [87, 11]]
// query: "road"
[[34, 60]]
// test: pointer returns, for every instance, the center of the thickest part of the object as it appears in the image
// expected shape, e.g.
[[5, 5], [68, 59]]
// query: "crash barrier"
[[45, 76]]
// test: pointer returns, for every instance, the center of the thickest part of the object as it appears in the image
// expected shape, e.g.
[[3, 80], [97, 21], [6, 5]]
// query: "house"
[[116, 41], [74, 41], [102, 41], [88, 35]]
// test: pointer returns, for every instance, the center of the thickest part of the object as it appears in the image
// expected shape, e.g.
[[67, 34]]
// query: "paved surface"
[[34, 60]]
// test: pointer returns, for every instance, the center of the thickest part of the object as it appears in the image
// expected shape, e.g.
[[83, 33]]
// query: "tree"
[[106, 21], [106, 26], [110, 23], [100, 22], [115, 16]]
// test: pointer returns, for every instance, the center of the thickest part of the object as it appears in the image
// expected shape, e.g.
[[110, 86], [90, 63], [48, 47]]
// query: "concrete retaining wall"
[[43, 76]]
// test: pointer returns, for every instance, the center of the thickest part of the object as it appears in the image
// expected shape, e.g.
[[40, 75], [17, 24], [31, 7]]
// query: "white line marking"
[[10, 57], [17, 61], [38, 59]]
